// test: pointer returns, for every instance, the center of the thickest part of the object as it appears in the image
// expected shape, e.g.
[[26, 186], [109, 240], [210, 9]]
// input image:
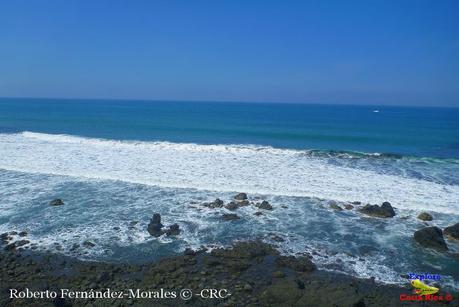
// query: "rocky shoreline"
[[254, 273], [250, 273]]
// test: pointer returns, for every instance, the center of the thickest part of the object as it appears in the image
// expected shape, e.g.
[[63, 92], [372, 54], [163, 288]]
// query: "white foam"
[[222, 168]]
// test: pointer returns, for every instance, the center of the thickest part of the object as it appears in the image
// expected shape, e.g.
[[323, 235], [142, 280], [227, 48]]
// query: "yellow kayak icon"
[[423, 289]]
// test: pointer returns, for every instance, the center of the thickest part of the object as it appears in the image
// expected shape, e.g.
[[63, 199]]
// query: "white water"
[[221, 168]]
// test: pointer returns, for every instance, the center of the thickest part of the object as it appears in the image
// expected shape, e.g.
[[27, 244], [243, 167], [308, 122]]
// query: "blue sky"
[[354, 52]]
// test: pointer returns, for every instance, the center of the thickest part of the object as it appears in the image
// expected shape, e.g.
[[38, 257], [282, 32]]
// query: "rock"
[[218, 203], [189, 252], [278, 274], [154, 228], [248, 287], [22, 234], [174, 230], [301, 264], [56, 202], [240, 196], [88, 244], [452, 232], [348, 207], [258, 213], [384, 211], [424, 216], [431, 237], [335, 207], [264, 205], [243, 203], [232, 206], [282, 293], [230, 217]]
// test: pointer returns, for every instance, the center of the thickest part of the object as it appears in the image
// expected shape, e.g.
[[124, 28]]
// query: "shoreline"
[[253, 273]]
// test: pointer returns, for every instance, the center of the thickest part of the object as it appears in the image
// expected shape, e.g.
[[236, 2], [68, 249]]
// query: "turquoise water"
[[115, 163], [426, 132]]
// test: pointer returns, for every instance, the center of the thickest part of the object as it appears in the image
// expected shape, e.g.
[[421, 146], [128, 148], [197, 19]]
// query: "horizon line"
[[233, 101]]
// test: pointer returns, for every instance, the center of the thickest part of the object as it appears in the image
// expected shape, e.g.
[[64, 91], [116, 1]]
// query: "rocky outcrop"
[[431, 237], [156, 228], [384, 211], [452, 232], [424, 216], [218, 203], [264, 205], [240, 196], [334, 206], [56, 202]]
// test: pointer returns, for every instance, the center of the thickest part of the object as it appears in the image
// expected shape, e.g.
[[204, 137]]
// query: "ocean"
[[115, 163]]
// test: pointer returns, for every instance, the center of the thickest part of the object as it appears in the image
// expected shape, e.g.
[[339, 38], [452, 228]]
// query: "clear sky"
[[354, 52]]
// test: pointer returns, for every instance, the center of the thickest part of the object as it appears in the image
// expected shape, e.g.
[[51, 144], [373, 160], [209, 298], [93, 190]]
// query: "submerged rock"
[[240, 196], [385, 210], [348, 207], [230, 217], [452, 232], [424, 216], [264, 205], [431, 237], [88, 244], [56, 202]]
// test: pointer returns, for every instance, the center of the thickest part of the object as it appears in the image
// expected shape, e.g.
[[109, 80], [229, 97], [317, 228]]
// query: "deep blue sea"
[[115, 163]]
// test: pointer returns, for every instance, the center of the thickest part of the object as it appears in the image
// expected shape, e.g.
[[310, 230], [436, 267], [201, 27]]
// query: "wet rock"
[[5, 237], [431, 237], [282, 293], [218, 203], [452, 232], [356, 203], [424, 216], [334, 206], [264, 205], [189, 252], [301, 264], [277, 238], [230, 217], [154, 228], [240, 196], [348, 207], [174, 230], [384, 211], [22, 234], [56, 202], [278, 274], [232, 206], [74, 247], [88, 244], [258, 213]]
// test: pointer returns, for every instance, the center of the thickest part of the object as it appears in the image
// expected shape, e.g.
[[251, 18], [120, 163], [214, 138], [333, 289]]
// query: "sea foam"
[[221, 168]]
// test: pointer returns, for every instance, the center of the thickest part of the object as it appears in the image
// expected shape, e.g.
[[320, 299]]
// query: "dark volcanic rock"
[[230, 217], [174, 230], [424, 216], [452, 232], [264, 205], [300, 264], [218, 203], [431, 237], [240, 196], [335, 207], [384, 211], [56, 202], [155, 227], [232, 206]]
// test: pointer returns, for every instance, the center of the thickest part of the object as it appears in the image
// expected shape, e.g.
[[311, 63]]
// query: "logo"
[[423, 289]]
